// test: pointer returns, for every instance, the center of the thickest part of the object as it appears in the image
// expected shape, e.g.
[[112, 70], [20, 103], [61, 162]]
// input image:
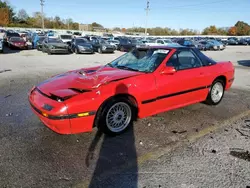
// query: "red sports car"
[[17, 43], [140, 83]]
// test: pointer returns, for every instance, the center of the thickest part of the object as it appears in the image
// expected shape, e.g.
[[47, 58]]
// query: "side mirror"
[[168, 70]]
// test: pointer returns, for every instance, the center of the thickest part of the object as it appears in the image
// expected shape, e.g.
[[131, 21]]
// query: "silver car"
[[1, 45]]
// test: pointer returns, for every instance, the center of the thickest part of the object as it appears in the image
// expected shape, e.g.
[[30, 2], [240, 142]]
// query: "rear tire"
[[116, 116], [216, 92]]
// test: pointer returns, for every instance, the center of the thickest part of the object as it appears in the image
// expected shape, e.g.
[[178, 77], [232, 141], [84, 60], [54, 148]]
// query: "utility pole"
[[42, 4], [147, 10]]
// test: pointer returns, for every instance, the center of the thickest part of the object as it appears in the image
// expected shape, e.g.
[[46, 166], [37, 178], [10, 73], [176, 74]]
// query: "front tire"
[[216, 92], [49, 52], [116, 116], [76, 51], [99, 50]]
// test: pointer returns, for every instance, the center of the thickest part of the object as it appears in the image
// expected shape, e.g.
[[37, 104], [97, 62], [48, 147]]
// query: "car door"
[[183, 86]]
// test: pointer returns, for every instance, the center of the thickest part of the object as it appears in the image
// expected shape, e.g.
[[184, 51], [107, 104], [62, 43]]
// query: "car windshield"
[[66, 37], [215, 42], [13, 35], [103, 41], [16, 39], [81, 41], [167, 41], [141, 60], [51, 40]]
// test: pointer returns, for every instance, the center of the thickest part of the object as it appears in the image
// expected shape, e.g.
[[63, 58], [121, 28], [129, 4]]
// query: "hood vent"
[[79, 90]]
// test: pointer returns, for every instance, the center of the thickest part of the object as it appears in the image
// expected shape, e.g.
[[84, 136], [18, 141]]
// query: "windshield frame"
[[129, 68], [52, 40]]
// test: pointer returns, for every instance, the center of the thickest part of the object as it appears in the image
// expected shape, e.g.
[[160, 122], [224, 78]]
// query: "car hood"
[[58, 44], [108, 45], [83, 80], [18, 42], [85, 45]]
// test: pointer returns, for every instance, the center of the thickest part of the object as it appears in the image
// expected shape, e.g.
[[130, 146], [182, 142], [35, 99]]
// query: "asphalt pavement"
[[159, 151]]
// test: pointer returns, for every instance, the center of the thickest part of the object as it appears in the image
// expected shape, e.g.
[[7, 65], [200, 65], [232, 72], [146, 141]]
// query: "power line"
[[42, 15]]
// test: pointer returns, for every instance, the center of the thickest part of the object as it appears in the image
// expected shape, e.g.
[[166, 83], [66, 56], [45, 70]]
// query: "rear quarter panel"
[[224, 69]]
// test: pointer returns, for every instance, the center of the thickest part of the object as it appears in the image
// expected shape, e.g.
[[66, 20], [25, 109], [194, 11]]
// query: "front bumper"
[[59, 51], [59, 122], [20, 47], [86, 50], [108, 50]]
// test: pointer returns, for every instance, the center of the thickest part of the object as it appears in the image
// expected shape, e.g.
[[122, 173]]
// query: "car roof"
[[165, 47]]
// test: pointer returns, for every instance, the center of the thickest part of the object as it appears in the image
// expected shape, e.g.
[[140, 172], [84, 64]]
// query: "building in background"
[[85, 27]]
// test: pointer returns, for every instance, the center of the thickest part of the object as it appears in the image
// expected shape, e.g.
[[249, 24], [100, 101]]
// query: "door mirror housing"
[[168, 70]]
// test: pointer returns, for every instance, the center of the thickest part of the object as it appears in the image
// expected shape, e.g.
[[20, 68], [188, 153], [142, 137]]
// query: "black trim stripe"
[[174, 94], [231, 80], [70, 116]]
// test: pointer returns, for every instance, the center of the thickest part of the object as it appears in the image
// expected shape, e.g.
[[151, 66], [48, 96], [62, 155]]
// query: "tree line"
[[23, 19]]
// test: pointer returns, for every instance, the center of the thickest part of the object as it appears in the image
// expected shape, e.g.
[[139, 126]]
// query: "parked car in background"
[[114, 43], [81, 45], [102, 46], [125, 45], [232, 41], [163, 41], [66, 38], [8, 35], [186, 42], [54, 46], [137, 43], [243, 41], [39, 43], [1, 46], [217, 45], [201, 46], [17, 43]]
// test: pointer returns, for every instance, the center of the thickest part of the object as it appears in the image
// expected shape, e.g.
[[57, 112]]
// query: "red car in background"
[[17, 43], [140, 83]]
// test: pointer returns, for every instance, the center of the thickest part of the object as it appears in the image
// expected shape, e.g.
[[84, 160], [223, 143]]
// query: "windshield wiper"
[[126, 68]]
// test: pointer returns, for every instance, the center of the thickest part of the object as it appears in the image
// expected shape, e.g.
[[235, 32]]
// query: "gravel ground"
[[34, 156]]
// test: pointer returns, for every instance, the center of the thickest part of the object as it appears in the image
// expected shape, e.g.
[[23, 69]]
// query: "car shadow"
[[245, 63], [8, 50], [117, 161]]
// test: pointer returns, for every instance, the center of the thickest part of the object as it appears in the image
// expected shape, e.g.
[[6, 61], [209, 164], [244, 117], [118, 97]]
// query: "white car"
[[163, 41], [66, 38]]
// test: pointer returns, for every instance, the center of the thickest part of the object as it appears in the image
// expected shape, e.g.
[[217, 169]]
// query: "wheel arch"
[[129, 97], [222, 78]]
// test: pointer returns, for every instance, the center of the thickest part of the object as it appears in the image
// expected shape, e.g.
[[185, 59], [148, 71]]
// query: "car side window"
[[184, 59], [187, 60]]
